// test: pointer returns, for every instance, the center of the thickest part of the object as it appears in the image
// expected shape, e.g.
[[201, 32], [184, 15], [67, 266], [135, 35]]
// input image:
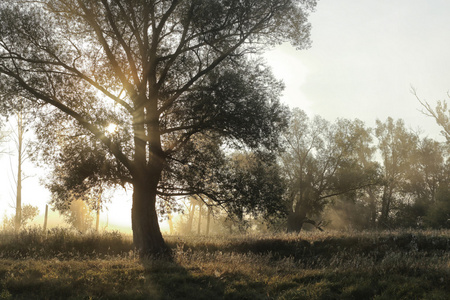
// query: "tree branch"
[[83, 122], [90, 18], [126, 48]]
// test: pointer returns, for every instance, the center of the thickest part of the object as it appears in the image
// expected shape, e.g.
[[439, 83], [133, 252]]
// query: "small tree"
[[397, 146], [79, 216], [438, 215], [28, 213], [17, 135], [22, 155]]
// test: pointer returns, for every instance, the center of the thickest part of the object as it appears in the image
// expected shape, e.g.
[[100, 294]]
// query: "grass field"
[[330, 265]]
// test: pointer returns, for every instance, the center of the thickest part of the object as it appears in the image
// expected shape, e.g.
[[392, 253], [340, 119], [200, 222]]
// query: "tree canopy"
[[322, 161], [164, 72]]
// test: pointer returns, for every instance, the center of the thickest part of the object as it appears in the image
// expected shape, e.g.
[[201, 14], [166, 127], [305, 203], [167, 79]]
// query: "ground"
[[330, 265]]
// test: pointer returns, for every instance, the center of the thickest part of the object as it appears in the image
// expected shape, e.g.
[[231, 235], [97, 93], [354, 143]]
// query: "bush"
[[438, 215]]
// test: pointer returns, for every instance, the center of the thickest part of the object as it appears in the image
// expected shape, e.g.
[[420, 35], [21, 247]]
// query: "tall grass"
[[62, 243], [335, 265]]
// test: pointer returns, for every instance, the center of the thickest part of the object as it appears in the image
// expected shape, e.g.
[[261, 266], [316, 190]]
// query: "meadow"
[[312, 265]]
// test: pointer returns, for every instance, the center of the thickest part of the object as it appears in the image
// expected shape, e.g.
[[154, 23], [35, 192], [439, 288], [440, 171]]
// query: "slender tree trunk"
[[170, 221], [147, 235], [191, 219], [372, 207], [46, 218], [19, 198], [208, 220], [199, 218], [385, 205], [97, 221], [18, 219]]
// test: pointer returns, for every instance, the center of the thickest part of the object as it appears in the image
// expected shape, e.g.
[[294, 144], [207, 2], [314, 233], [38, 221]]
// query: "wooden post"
[[46, 218]]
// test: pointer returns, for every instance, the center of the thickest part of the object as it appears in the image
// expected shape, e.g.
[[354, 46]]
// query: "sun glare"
[[111, 128]]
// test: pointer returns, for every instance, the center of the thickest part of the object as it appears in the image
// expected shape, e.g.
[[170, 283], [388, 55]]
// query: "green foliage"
[[243, 184], [254, 186], [397, 146], [410, 215], [438, 215], [324, 160]]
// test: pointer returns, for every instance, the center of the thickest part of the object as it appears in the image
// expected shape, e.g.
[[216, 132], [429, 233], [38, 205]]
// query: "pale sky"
[[364, 58]]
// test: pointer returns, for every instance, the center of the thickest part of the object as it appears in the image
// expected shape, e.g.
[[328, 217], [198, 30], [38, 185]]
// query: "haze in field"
[[364, 59]]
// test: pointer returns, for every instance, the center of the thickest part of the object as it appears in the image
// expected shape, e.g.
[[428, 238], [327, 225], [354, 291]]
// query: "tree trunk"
[[385, 206], [18, 219], [147, 235], [97, 221], [19, 198], [199, 218], [46, 218], [188, 228], [208, 220], [170, 221], [295, 221], [372, 207]]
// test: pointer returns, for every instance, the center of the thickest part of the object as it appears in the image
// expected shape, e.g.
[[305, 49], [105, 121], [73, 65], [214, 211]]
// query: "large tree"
[[397, 145], [165, 72], [422, 184], [321, 161]]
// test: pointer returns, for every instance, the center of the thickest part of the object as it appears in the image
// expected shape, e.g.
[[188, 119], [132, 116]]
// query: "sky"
[[365, 56]]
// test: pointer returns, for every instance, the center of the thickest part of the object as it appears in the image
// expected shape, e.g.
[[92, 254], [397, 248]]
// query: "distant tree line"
[[334, 175], [382, 177], [324, 174]]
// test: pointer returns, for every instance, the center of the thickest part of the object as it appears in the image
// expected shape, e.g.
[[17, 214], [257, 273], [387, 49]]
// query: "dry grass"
[[356, 265]]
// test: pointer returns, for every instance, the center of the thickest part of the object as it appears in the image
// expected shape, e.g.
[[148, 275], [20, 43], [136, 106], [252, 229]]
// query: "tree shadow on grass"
[[176, 282], [105, 279], [173, 281]]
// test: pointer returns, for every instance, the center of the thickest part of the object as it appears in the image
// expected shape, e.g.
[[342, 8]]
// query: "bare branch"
[[441, 113]]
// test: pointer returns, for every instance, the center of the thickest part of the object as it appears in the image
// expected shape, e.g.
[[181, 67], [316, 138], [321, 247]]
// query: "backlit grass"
[[64, 265]]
